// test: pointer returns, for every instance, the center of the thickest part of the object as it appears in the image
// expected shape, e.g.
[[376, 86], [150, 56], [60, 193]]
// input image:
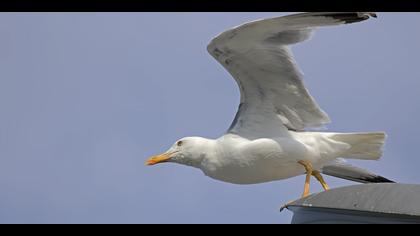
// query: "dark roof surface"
[[386, 199]]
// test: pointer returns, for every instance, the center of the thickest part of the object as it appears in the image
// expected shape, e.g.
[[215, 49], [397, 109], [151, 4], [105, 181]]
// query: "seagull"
[[269, 139]]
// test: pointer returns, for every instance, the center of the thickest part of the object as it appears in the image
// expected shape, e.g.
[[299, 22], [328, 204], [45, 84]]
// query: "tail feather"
[[365, 146]]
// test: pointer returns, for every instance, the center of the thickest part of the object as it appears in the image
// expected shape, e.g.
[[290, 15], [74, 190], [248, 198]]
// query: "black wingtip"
[[378, 179], [351, 17]]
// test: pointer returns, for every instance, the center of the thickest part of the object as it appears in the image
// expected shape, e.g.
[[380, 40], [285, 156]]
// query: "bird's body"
[[242, 161], [267, 140], [235, 159]]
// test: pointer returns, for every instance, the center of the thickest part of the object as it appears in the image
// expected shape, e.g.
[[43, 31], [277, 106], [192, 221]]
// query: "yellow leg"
[[318, 176], [309, 170]]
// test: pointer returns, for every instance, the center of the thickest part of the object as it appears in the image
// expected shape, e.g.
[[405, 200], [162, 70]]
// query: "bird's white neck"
[[201, 150]]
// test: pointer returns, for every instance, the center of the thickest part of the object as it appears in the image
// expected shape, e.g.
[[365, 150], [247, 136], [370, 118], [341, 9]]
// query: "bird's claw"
[[285, 205]]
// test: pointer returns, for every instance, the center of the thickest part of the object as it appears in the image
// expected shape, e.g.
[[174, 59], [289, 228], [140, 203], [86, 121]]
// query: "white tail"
[[365, 146]]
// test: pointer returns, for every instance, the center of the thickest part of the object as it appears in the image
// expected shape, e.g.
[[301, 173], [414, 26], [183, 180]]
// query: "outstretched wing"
[[257, 54]]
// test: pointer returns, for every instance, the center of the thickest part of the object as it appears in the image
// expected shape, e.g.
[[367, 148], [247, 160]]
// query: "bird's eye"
[[179, 143]]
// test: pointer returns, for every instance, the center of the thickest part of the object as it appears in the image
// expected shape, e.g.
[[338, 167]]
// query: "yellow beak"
[[158, 159]]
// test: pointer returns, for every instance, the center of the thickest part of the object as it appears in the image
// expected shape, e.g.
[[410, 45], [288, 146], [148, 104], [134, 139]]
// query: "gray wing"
[[257, 54], [346, 171]]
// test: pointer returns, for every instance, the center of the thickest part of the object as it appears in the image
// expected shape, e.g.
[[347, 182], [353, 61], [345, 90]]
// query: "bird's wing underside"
[[257, 54]]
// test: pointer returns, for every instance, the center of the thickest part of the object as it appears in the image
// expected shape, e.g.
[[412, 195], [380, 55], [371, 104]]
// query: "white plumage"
[[266, 140]]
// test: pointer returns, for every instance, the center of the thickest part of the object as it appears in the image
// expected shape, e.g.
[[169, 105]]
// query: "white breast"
[[242, 161]]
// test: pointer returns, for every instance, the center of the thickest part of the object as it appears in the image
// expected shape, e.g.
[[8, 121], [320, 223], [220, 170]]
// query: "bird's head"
[[187, 151]]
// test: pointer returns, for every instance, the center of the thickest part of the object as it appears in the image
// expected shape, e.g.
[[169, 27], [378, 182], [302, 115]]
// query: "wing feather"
[[258, 56]]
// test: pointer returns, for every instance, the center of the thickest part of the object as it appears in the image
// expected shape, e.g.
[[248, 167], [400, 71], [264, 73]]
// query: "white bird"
[[267, 140]]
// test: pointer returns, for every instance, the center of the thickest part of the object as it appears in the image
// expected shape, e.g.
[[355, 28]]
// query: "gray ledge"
[[365, 203]]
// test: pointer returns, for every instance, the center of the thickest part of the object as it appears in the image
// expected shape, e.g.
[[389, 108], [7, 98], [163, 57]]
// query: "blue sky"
[[85, 98]]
